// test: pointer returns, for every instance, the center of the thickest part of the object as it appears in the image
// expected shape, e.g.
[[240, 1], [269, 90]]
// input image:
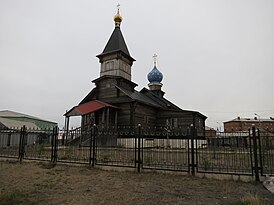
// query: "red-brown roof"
[[88, 108]]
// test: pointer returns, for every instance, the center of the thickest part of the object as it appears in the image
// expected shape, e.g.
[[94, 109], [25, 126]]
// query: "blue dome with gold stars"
[[155, 76]]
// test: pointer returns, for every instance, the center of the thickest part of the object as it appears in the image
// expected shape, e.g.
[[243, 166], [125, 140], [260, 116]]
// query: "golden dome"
[[118, 18]]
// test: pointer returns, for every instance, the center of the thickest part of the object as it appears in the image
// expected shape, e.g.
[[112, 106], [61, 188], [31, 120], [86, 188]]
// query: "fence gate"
[[38, 144], [262, 156], [76, 146]]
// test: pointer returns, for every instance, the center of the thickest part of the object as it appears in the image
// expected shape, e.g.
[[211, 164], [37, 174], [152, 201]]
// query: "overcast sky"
[[217, 56]]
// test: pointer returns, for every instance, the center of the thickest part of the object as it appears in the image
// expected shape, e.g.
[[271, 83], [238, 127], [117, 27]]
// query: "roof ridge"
[[162, 99], [16, 123], [19, 114], [123, 90]]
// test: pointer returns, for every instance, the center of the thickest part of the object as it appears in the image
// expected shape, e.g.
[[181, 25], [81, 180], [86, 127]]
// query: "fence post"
[[250, 150], [260, 152], [94, 146], [52, 145], [192, 150], [22, 143], [135, 146], [256, 167], [139, 149], [90, 146], [55, 144]]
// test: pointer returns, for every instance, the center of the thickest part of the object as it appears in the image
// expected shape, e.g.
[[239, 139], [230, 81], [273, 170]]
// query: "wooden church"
[[114, 101]]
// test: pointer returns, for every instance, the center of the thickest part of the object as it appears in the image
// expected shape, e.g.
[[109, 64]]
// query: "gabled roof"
[[166, 104], [9, 123], [147, 97], [88, 96], [87, 108], [11, 114], [135, 95], [8, 113]]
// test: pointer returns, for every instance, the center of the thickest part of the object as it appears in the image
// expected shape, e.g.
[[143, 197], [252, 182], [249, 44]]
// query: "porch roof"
[[88, 107]]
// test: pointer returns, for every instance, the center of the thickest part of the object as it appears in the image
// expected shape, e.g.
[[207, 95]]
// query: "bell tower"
[[115, 59]]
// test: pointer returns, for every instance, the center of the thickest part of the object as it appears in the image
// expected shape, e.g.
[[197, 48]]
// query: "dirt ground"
[[41, 183]]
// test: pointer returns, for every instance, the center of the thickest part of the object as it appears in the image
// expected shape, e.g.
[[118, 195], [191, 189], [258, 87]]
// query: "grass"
[[41, 149], [250, 199], [13, 198], [47, 165], [207, 164], [36, 183], [106, 158]]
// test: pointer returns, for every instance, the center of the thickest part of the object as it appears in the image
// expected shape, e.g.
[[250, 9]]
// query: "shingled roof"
[[116, 43], [135, 95]]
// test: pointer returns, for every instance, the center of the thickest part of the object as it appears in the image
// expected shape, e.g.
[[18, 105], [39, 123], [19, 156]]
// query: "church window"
[[109, 65], [125, 67]]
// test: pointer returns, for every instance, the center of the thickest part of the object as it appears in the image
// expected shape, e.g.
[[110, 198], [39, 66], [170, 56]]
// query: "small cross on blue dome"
[[155, 76]]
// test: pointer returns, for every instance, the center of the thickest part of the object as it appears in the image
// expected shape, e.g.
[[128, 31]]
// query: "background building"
[[12, 122], [210, 132], [16, 120], [243, 124]]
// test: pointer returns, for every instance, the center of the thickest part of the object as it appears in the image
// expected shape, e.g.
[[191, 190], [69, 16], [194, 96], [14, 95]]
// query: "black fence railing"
[[36, 144], [244, 153], [9, 143], [226, 153]]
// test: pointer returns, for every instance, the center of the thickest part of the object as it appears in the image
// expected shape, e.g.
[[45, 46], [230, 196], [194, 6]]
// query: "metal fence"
[[9, 143], [36, 144], [246, 153], [228, 153]]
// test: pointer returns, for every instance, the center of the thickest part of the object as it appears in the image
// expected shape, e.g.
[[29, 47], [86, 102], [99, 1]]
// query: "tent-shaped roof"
[[88, 107], [116, 42]]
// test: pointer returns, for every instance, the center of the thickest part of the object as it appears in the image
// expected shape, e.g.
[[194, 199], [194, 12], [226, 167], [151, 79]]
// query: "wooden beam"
[[107, 117]]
